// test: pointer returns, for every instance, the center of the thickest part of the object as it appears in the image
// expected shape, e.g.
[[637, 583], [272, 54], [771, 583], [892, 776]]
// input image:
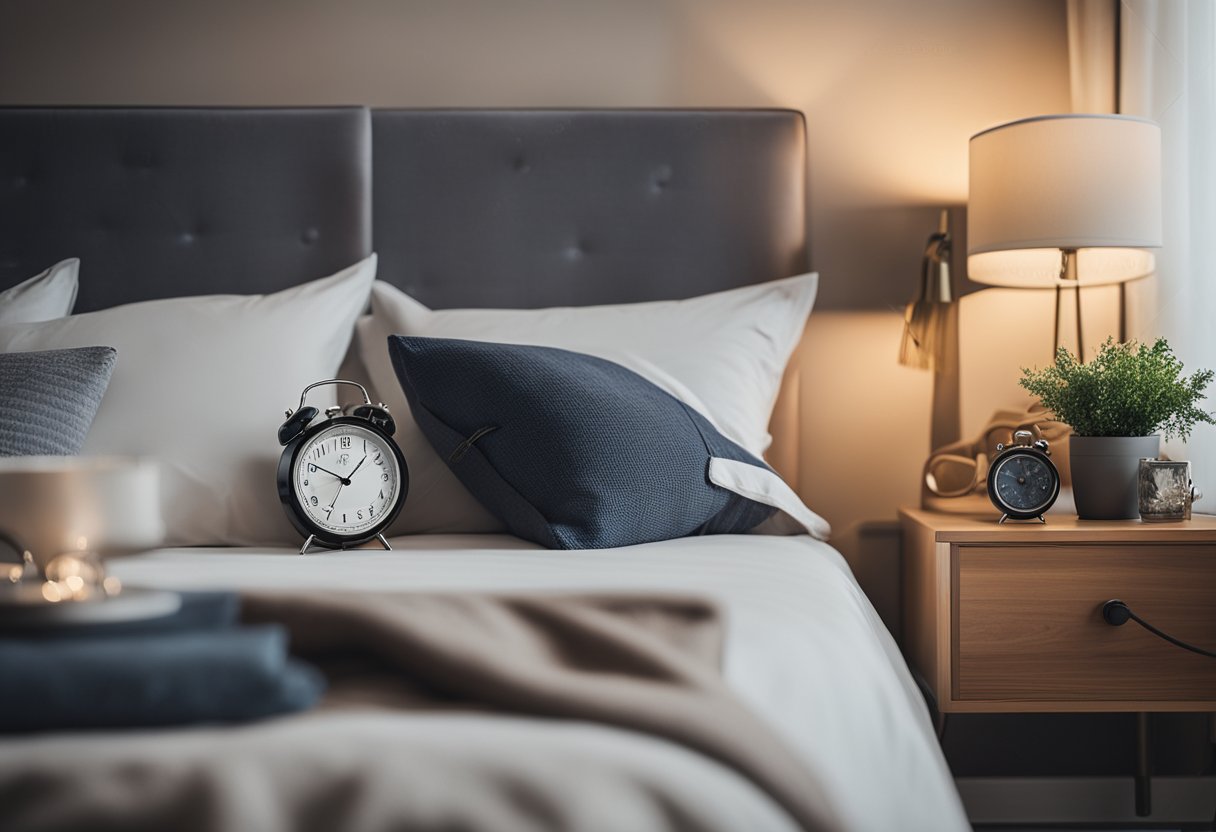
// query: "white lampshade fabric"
[[1041, 185]]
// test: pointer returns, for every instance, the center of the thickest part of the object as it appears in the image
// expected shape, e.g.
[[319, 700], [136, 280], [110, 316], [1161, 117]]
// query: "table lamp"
[[1065, 202]]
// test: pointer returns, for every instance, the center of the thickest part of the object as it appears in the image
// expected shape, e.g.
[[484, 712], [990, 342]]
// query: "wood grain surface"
[[1030, 624], [1011, 622]]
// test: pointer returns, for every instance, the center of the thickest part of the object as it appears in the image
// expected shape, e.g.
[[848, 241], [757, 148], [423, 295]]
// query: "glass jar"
[[1166, 491]]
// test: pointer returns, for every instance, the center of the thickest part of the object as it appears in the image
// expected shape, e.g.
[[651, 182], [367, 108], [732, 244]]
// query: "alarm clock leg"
[[307, 543], [384, 542]]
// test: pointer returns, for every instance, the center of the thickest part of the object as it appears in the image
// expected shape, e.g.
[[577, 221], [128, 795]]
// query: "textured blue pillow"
[[48, 399], [569, 450]]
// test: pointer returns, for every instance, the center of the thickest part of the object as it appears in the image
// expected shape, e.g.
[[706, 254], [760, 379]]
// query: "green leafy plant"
[[1128, 389]]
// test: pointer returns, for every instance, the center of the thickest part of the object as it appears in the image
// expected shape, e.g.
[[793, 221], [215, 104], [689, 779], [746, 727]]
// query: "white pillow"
[[201, 384], [723, 354], [43, 297]]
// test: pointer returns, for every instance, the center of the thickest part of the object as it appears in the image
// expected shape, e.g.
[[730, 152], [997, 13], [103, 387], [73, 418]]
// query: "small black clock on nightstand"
[[1023, 482]]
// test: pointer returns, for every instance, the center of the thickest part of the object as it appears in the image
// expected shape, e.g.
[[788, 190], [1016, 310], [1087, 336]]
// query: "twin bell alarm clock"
[[1023, 482], [342, 479]]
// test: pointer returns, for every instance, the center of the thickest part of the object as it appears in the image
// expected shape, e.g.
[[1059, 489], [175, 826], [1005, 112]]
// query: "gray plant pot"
[[1104, 474]]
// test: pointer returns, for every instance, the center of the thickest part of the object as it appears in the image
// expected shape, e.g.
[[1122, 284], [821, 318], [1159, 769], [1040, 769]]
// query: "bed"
[[464, 209]]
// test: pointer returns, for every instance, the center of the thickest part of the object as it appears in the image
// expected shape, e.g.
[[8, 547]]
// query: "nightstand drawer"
[[1027, 622]]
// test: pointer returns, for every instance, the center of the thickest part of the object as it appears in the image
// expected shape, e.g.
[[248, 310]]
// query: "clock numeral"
[[359, 514], [306, 483], [384, 476], [327, 509], [313, 500], [312, 469], [343, 517], [371, 511], [378, 459], [345, 441]]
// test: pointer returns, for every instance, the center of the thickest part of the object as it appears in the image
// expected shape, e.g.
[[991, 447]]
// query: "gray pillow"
[[48, 399]]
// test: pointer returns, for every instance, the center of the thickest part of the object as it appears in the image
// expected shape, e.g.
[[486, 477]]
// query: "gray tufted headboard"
[[471, 207], [509, 208], [516, 208], [168, 202]]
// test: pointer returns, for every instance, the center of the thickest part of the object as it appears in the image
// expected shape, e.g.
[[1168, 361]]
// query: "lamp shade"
[[1090, 183]]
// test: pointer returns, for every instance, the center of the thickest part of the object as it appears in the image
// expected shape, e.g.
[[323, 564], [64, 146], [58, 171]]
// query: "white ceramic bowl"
[[55, 504]]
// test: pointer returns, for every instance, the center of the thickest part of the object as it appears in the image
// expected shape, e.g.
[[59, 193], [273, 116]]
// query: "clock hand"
[[345, 481], [352, 473], [341, 485]]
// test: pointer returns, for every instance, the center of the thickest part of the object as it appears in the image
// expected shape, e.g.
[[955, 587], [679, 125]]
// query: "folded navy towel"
[[199, 611], [202, 671]]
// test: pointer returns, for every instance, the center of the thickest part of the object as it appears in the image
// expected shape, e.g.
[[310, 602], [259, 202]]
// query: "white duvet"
[[804, 649]]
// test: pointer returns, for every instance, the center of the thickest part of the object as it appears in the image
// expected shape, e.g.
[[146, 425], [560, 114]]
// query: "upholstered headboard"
[[162, 202], [511, 208], [471, 207]]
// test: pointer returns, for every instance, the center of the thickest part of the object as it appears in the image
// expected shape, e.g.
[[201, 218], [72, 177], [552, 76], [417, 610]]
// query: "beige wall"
[[891, 91]]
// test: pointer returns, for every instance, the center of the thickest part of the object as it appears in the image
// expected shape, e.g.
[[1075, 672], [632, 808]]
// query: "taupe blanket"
[[643, 663]]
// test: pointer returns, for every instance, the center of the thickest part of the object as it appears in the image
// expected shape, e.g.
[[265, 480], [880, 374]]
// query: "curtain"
[[1167, 72]]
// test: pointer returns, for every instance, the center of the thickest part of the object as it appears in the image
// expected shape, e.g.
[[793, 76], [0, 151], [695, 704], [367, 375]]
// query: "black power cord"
[[1117, 613]]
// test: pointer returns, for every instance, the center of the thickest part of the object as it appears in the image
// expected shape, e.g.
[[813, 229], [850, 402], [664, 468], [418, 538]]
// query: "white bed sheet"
[[804, 646]]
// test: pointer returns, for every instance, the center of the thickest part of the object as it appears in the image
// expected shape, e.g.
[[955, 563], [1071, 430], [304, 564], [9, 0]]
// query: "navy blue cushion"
[[569, 450], [196, 666]]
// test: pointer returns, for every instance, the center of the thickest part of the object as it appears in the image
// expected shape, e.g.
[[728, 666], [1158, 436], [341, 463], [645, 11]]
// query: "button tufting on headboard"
[[456, 231], [595, 220], [660, 179], [140, 162], [291, 189], [577, 250]]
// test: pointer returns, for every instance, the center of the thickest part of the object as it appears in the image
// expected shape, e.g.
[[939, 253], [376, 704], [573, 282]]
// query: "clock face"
[[346, 480], [1025, 482]]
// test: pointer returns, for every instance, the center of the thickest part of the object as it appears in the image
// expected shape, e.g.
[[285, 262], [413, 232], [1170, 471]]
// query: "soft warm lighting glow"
[[1090, 183], [75, 576], [1002, 330], [1040, 267], [886, 428], [64, 566]]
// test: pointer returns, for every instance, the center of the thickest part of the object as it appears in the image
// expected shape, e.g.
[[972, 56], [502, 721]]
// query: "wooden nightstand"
[[1008, 618]]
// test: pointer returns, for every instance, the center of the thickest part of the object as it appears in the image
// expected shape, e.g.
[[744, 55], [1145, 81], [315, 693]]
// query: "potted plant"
[[1117, 404]]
